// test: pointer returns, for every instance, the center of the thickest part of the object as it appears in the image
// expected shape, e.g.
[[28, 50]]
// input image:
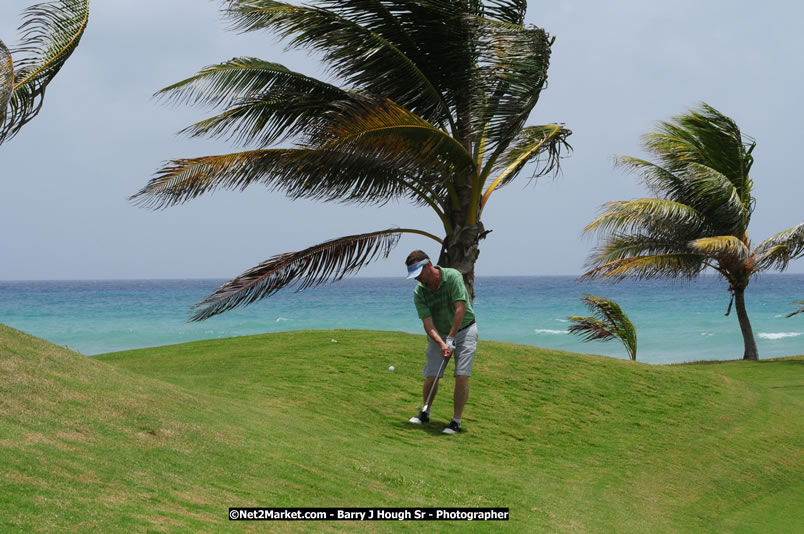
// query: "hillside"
[[166, 439]]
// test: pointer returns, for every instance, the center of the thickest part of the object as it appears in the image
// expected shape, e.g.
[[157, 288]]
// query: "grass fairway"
[[166, 439]]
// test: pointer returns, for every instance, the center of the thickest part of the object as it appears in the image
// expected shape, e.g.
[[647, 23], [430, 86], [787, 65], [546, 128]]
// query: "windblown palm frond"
[[360, 43], [507, 82], [392, 133], [726, 248], [778, 250], [704, 161], [672, 265], [264, 101], [50, 34], [608, 322], [6, 79], [328, 261], [799, 303], [283, 169], [510, 11], [649, 216], [707, 138], [535, 143], [370, 151]]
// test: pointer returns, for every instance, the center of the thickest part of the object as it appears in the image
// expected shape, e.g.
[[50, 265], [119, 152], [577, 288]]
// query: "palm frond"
[[799, 303], [243, 77], [510, 11], [50, 34], [673, 265], [382, 128], [360, 43], [722, 247], [328, 261], [508, 78], [780, 249], [325, 174], [703, 161], [623, 246], [6, 79], [590, 329], [706, 137], [609, 322], [542, 143], [184, 179], [658, 180], [702, 188], [264, 100], [718, 199], [651, 216]]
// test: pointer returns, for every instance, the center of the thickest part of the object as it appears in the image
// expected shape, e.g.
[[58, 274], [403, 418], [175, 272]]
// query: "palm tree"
[[432, 107], [800, 304], [609, 322], [700, 217], [50, 34]]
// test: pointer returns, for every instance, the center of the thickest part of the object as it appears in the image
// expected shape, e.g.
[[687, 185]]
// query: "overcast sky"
[[617, 67]]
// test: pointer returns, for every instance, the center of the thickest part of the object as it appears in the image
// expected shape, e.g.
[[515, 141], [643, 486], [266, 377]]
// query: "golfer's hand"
[[448, 347], [451, 343]]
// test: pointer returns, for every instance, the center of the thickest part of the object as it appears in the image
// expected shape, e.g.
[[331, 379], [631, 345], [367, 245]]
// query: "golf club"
[[435, 382]]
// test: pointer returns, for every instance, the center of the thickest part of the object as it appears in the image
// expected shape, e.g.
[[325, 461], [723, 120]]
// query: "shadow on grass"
[[434, 428]]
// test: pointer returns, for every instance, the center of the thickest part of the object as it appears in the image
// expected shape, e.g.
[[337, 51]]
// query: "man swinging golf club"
[[445, 309]]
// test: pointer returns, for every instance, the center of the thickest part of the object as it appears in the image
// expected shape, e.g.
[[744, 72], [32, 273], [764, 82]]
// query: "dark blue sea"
[[675, 321]]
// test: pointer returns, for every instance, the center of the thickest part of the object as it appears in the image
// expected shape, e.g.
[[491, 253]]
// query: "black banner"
[[368, 514]]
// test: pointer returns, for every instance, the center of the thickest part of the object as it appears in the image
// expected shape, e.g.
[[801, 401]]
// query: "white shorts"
[[464, 354]]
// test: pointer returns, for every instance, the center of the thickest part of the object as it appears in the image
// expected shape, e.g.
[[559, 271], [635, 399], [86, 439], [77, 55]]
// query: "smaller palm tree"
[[50, 34], [609, 322], [699, 217], [800, 304]]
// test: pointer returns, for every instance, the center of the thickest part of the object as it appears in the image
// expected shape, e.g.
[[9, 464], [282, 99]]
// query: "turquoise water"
[[675, 321]]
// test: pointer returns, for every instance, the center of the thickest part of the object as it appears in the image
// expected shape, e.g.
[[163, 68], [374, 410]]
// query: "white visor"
[[416, 269]]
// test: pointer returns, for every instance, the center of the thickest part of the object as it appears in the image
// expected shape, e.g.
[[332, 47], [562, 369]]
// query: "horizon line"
[[375, 277]]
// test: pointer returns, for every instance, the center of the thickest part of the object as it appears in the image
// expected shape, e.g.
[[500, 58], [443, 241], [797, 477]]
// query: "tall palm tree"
[[609, 321], [700, 217], [50, 34], [431, 107]]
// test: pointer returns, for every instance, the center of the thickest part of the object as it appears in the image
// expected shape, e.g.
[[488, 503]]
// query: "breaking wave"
[[778, 335]]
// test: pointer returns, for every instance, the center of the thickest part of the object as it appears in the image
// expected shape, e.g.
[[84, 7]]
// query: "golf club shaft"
[[435, 383]]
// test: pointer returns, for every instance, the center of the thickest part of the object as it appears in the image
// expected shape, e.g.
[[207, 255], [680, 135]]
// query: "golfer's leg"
[[461, 395], [428, 383], [464, 359]]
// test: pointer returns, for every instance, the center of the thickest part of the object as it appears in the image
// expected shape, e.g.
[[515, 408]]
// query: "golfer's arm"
[[457, 319], [431, 330]]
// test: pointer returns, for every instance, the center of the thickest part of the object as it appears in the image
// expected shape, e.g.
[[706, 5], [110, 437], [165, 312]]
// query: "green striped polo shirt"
[[440, 304]]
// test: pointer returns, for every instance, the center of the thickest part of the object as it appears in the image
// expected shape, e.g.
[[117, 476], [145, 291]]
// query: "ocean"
[[676, 321]]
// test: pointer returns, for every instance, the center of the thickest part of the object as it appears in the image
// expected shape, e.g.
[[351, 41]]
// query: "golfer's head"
[[416, 262]]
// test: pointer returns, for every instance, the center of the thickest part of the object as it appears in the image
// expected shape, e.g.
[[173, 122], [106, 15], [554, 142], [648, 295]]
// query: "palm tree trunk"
[[751, 352], [461, 251]]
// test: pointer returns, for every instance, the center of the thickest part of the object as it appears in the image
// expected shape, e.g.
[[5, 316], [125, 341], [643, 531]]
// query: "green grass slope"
[[166, 439]]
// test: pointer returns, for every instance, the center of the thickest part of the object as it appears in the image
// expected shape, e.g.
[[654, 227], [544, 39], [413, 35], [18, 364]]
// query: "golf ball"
[[391, 368]]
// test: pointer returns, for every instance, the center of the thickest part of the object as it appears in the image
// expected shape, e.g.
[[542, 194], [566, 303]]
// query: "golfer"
[[443, 305]]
